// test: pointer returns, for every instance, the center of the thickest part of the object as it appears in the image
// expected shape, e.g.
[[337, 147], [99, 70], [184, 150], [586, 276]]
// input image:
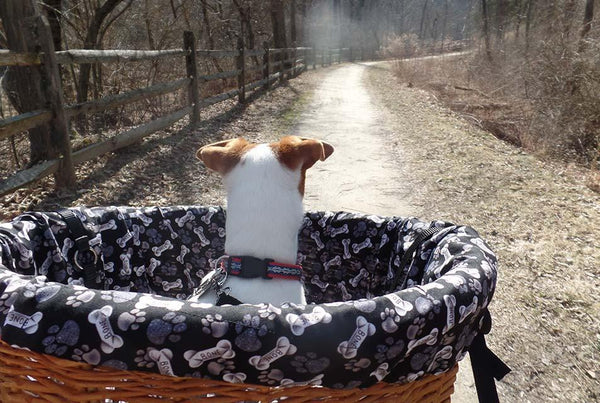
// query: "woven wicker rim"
[[28, 376]]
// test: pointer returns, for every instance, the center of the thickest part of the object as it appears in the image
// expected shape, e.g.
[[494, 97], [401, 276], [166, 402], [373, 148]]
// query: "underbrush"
[[546, 101]]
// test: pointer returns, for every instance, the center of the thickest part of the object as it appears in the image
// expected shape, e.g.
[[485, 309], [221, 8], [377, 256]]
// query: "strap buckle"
[[81, 267]]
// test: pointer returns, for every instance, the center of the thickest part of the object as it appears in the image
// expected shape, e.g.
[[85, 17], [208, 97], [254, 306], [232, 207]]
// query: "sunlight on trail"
[[361, 176]]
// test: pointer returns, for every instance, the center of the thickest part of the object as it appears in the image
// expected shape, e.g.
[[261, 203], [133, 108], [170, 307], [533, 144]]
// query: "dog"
[[265, 188]]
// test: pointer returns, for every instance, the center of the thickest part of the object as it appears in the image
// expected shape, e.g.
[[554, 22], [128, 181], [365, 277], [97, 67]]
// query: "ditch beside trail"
[[399, 152]]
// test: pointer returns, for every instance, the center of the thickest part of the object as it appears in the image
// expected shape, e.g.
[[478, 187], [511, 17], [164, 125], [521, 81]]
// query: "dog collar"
[[251, 267]]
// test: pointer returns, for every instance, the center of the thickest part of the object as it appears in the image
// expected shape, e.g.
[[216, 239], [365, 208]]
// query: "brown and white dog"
[[265, 187]]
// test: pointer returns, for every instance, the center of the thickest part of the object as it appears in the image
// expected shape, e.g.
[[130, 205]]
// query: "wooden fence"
[[277, 65]]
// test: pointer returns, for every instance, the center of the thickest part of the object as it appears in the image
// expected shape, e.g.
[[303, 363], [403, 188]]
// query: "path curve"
[[362, 175]]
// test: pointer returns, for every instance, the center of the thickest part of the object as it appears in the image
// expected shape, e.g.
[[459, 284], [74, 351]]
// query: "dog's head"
[[293, 153]]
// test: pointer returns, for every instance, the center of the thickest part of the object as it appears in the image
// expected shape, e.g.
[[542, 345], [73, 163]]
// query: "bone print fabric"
[[353, 334]]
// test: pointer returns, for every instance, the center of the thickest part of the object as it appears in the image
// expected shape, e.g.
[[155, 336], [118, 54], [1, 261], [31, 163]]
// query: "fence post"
[[282, 65], [59, 130], [314, 57], [242, 71], [266, 66], [189, 44]]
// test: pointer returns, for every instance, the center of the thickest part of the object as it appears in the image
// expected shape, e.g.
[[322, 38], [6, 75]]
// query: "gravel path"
[[362, 175]]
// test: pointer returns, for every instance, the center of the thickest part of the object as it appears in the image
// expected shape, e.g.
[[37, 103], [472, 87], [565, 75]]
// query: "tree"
[[93, 39], [486, 29], [53, 9], [423, 15], [23, 85], [278, 24], [587, 23], [501, 10]]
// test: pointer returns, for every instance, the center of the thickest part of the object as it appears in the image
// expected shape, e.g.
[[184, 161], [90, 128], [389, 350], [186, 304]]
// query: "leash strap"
[[85, 258], [401, 276], [226, 299], [486, 365]]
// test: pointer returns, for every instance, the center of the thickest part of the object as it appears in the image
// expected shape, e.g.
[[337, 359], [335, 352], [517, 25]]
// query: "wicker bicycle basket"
[[29, 377], [376, 328]]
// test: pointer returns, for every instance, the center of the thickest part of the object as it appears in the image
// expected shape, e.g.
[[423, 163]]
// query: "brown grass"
[[552, 112]]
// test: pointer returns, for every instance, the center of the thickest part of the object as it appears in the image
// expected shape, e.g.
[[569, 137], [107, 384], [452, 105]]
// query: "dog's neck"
[[264, 207]]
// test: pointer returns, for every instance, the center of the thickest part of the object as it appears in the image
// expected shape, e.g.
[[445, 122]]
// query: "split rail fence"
[[277, 65]]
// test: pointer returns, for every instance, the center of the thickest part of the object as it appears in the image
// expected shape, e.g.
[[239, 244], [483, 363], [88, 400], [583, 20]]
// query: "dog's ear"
[[223, 155], [302, 152]]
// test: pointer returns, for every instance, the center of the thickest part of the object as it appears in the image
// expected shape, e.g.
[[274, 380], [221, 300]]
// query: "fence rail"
[[276, 65]]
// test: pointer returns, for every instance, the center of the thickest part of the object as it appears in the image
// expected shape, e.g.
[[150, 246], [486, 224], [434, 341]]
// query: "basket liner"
[[353, 333]]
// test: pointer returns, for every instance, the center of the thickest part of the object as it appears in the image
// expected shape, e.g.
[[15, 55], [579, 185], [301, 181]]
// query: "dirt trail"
[[363, 175]]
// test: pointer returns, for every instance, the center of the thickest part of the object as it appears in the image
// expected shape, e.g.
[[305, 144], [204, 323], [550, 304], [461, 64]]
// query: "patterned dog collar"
[[251, 267]]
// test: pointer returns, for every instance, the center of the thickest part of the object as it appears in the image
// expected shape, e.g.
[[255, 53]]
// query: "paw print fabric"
[[354, 332]]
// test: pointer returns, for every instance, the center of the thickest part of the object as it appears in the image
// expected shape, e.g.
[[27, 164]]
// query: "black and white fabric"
[[353, 333]]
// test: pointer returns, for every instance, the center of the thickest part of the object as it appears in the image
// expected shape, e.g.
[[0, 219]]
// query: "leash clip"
[[76, 260], [214, 279]]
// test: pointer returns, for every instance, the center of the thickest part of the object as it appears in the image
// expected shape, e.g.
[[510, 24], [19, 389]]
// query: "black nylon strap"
[[226, 299], [402, 271], [82, 243], [486, 365]]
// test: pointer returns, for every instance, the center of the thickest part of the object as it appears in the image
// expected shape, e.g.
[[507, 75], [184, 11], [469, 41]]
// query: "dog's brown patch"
[[224, 155], [299, 152]]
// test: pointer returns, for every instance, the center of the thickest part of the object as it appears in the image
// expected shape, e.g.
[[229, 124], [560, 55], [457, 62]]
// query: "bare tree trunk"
[[246, 26], [278, 23], [500, 20], [423, 14], [293, 31], [585, 29], [206, 20], [53, 9], [91, 42], [302, 39], [587, 23], [23, 85], [209, 35], [486, 30], [399, 27], [444, 24], [530, 4], [568, 17]]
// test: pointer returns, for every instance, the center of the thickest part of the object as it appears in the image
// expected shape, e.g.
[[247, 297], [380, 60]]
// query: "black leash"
[[85, 258], [402, 272]]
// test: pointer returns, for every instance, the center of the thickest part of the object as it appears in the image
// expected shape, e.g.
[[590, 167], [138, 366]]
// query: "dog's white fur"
[[264, 215]]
